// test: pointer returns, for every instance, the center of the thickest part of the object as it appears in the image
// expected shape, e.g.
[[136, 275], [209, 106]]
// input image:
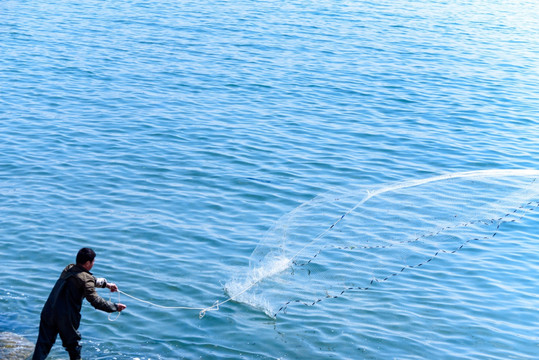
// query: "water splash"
[[237, 289]]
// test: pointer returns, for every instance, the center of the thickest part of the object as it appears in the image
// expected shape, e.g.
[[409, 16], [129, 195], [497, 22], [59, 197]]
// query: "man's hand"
[[112, 287]]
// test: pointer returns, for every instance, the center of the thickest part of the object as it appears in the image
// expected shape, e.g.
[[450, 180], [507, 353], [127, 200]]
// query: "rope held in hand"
[[201, 314]]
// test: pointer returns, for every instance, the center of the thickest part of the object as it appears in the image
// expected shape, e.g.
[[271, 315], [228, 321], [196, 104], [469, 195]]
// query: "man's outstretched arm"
[[97, 301]]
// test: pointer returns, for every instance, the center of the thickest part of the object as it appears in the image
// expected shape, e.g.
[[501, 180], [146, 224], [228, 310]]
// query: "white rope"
[[110, 314], [201, 314]]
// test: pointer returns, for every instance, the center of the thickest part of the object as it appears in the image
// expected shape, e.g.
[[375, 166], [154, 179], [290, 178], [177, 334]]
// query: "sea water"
[[170, 135]]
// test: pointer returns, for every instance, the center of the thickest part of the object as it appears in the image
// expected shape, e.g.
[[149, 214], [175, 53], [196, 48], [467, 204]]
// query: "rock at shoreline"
[[14, 347]]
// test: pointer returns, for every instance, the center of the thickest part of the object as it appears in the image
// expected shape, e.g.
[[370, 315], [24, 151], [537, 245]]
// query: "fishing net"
[[338, 244]]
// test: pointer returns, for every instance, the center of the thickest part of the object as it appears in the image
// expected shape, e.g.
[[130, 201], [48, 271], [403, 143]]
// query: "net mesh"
[[337, 243]]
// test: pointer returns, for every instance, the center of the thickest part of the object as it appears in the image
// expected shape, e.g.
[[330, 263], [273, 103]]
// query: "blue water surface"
[[170, 135]]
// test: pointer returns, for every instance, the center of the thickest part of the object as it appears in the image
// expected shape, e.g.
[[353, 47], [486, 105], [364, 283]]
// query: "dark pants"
[[48, 331]]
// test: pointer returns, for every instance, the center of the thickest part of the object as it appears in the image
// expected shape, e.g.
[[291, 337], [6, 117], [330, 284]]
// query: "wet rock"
[[14, 347]]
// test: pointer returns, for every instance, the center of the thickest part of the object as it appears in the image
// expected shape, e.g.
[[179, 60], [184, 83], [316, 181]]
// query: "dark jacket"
[[65, 300]]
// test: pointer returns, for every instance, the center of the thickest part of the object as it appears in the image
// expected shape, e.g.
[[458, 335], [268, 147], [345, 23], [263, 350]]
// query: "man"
[[61, 313]]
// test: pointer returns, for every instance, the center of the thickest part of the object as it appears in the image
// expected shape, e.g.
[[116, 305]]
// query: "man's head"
[[85, 258]]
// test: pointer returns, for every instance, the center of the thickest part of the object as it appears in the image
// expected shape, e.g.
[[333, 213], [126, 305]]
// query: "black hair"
[[84, 255]]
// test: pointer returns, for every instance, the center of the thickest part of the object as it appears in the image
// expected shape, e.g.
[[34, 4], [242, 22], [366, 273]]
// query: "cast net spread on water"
[[338, 244]]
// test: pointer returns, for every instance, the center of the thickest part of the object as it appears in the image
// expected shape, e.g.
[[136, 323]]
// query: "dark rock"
[[14, 347]]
